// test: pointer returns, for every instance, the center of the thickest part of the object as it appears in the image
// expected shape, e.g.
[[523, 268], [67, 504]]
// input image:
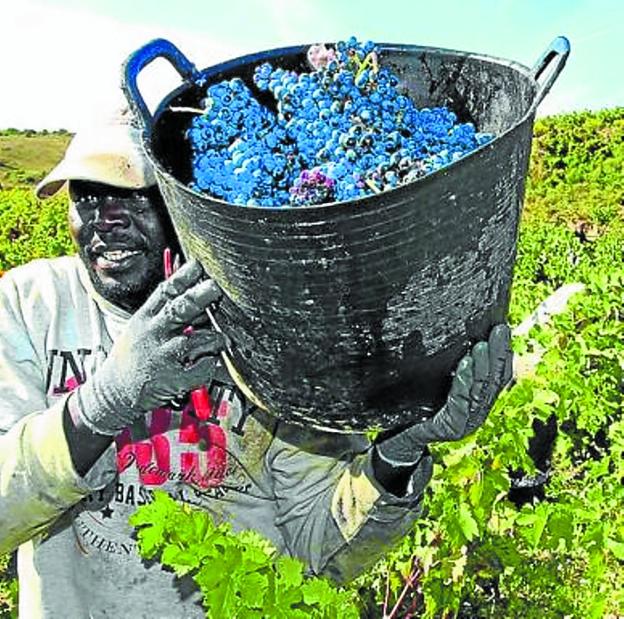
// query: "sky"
[[60, 59]]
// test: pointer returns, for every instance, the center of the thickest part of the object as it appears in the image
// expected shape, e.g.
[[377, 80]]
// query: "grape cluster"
[[342, 131], [312, 187]]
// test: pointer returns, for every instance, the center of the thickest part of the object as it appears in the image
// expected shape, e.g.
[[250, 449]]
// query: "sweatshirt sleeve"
[[332, 512], [37, 478]]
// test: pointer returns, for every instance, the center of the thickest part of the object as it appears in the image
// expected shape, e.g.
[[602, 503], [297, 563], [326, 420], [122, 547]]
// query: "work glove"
[[158, 357], [480, 376]]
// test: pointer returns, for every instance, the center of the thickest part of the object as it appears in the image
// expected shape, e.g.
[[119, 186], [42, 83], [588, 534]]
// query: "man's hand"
[[480, 377], [156, 358]]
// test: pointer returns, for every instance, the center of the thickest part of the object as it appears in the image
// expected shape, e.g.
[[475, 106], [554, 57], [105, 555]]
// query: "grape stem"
[[411, 583], [190, 110], [371, 59], [372, 185]]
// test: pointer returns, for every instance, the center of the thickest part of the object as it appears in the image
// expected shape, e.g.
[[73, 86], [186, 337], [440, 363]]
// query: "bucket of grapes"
[[358, 204]]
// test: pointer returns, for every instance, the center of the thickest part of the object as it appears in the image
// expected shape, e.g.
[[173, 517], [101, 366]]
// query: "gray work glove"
[[153, 360], [480, 377]]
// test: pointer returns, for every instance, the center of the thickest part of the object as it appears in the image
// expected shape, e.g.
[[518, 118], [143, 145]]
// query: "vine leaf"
[[467, 522]]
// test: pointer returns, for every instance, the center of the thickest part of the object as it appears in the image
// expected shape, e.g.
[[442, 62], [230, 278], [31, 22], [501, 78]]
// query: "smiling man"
[[97, 358], [68, 391], [121, 235], [116, 216]]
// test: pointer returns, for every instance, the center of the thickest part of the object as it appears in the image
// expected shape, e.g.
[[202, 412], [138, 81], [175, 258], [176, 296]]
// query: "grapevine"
[[239, 574]]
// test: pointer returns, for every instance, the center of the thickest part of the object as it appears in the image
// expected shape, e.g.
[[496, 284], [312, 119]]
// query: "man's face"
[[121, 235]]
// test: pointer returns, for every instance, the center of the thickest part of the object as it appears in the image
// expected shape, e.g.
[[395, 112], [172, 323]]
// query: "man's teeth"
[[119, 254]]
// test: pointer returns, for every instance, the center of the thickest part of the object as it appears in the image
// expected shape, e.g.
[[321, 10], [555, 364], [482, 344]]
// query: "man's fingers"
[[481, 359], [197, 373], [186, 349], [463, 379], [203, 320], [188, 275], [449, 422], [189, 306], [204, 342], [476, 383], [493, 371], [491, 366], [499, 344], [508, 370], [500, 355], [189, 356]]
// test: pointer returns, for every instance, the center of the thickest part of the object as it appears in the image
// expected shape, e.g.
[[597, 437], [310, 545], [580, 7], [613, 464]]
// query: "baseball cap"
[[110, 153]]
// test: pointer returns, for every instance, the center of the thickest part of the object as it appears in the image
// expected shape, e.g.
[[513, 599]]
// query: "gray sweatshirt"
[[311, 494]]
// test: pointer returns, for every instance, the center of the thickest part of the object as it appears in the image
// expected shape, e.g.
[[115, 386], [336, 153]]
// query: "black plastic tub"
[[353, 315]]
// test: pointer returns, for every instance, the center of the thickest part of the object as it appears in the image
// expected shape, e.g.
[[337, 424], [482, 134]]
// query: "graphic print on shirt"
[[205, 462], [67, 369], [169, 449]]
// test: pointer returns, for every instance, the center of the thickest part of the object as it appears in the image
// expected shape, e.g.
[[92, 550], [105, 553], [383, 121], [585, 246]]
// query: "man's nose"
[[110, 215]]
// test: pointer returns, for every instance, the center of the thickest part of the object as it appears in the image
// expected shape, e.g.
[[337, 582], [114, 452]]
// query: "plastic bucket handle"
[[558, 51], [158, 48]]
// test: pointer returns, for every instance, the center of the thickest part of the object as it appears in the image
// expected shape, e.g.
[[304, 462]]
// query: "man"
[[95, 355]]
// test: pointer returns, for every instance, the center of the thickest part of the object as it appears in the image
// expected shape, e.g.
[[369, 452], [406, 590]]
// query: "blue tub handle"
[[558, 51], [138, 60]]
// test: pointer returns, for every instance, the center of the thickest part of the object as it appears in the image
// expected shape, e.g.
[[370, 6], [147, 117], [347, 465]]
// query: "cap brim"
[[102, 168], [48, 187], [111, 154]]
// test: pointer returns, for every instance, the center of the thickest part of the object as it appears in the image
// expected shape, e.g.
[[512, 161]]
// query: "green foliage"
[[239, 575], [578, 148], [29, 133], [577, 168], [573, 221], [550, 255], [32, 228], [8, 592]]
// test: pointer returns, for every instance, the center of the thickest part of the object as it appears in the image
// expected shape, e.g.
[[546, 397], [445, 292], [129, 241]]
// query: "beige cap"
[[110, 153]]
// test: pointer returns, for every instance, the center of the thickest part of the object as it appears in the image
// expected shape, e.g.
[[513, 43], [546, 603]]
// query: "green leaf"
[[467, 522], [161, 508], [533, 524], [150, 540], [344, 608], [289, 571], [182, 561], [257, 550], [597, 607], [216, 586], [253, 589], [475, 493], [594, 536], [561, 526], [317, 592], [544, 399], [617, 548]]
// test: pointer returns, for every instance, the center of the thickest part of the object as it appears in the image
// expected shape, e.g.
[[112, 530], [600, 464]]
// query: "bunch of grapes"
[[342, 131], [312, 187]]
